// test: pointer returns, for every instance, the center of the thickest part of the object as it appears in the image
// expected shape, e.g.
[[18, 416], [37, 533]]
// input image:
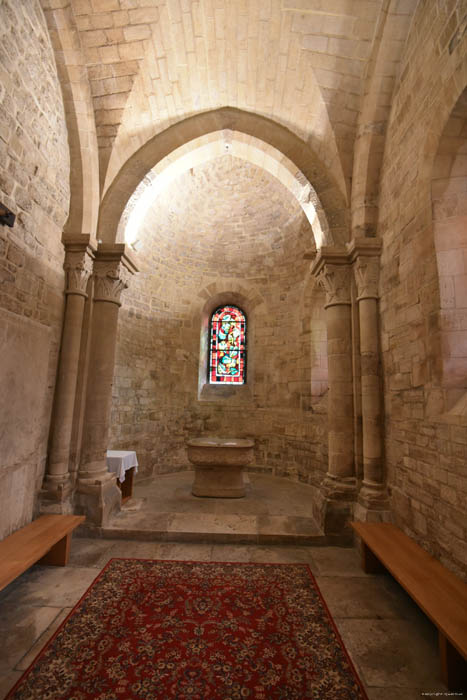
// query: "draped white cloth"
[[118, 461]]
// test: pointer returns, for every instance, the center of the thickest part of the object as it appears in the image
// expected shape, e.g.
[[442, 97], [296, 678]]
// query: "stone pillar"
[[364, 254], [339, 486], [78, 267], [98, 495]]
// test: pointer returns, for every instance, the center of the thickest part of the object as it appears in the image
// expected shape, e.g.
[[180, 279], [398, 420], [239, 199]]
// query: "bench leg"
[[453, 665], [59, 554], [370, 563]]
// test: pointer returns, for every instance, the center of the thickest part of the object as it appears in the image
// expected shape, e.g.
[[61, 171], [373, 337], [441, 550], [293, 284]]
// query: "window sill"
[[226, 393]]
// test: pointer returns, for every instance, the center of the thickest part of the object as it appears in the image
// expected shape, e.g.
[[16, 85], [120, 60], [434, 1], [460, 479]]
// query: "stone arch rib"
[[281, 138], [79, 115]]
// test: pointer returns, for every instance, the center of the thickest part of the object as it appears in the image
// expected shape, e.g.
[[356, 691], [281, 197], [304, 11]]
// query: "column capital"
[[364, 253], [113, 268], [332, 270], [79, 256]]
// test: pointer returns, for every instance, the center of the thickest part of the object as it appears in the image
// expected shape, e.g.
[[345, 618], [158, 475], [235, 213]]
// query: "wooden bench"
[[439, 593], [44, 541]]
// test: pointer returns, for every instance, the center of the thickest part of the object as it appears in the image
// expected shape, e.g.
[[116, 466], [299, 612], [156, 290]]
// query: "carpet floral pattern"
[[165, 629]]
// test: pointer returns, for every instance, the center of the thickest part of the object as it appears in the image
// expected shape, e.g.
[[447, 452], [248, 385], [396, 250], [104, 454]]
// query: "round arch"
[[440, 117], [293, 148], [426, 167], [249, 300], [448, 185]]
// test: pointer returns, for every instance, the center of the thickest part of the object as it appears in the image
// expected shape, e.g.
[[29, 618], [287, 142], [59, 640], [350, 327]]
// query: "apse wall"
[[223, 227], [34, 185], [426, 446]]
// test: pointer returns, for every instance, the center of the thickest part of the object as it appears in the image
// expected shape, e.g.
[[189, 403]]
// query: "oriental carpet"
[[198, 630]]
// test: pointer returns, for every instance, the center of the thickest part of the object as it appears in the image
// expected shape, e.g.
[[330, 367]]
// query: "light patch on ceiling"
[[226, 144]]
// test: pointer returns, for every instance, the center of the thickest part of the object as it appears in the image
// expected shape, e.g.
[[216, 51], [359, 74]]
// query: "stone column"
[[98, 495], [339, 486], [364, 254], [78, 268]]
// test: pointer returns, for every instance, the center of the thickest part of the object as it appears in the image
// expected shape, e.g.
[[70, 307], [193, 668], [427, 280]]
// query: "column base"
[[339, 488], [94, 471], [373, 496], [336, 504], [98, 499], [56, 495], [366, 514], [336, 517]]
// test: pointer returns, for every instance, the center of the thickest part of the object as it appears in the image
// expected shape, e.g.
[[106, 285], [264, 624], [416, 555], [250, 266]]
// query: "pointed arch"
[[209, 147], [79, 115], [279, 137]]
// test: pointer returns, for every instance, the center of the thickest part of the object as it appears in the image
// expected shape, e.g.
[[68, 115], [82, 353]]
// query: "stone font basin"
[[219, 464]]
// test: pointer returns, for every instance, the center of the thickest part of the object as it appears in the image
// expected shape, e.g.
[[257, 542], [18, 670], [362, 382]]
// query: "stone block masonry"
[[225, 225], [34, 184], [424, 453]]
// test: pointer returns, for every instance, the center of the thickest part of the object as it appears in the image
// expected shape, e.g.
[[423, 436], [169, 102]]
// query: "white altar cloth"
[[118, 461]]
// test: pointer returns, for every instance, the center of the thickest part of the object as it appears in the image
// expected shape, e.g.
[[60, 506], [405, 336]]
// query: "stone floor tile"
[[165, 504], [393, 653], [282, 555], [244, 506], [54, 586], [392, 644], [338, 561], [126, 549], [211, 523], [267, 554], [265, 494], [286, 524], [7, 681], [42, 640], [230, 552], [185, 552], [88, 552], [393, 693], [139, 520], [374, 597], [20, 627]]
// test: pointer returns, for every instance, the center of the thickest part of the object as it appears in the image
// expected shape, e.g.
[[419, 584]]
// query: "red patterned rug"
[[191, 630]]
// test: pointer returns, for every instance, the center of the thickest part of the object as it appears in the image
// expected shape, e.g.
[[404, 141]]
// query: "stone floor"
[[274, 511], [392, 644]]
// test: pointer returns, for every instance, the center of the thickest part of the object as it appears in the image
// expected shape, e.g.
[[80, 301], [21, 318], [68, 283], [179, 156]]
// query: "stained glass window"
[[227, 345]]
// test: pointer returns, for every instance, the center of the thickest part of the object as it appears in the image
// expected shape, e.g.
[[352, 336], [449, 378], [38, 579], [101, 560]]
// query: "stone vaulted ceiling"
[[302, 63], [222, 219]]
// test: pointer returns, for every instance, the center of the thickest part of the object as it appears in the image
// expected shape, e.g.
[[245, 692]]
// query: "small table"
[[119, 462]]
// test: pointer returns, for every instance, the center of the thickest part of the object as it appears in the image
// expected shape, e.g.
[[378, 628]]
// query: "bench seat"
[[438, 592], [45, 541]]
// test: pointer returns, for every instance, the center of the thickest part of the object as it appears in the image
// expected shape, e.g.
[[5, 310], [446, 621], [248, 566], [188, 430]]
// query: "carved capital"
[[111, 278], [332, 271], [335, 280], [78, 270], [364, 254], [113, 268], [79, 256], [366, 277]]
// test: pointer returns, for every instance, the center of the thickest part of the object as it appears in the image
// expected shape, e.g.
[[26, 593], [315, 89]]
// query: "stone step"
[[216, 528]]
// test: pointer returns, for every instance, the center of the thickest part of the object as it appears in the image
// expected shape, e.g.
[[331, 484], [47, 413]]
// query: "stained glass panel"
[[227, 346]]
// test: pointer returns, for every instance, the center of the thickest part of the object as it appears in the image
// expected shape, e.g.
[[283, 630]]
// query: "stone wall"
[[34, 178], [426, 449], [225, 226], [449, 199]]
